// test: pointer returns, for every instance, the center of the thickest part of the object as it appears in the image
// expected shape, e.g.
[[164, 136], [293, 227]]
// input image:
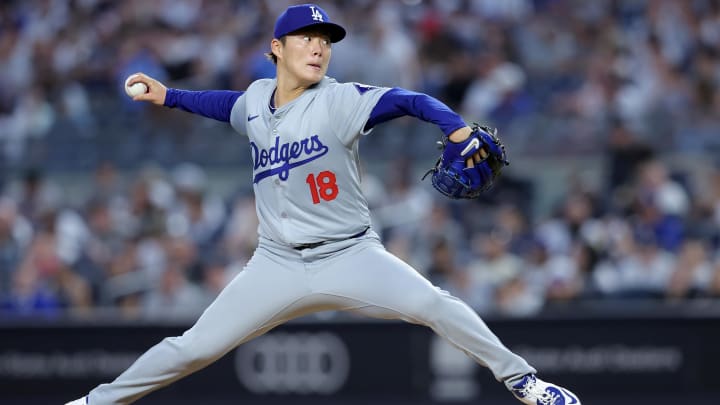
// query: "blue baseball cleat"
[[81, 401], [534, 391]]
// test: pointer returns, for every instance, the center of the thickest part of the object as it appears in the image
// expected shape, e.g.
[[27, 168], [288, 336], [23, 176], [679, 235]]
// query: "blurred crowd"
[[565, 69], [162, 244], [632, 83]]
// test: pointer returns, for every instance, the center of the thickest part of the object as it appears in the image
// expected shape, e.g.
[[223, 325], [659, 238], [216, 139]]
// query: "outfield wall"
[[353, 361]]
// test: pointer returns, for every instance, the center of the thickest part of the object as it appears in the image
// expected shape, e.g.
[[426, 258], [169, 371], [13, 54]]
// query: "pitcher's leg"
[[244, 309], [393, 289]]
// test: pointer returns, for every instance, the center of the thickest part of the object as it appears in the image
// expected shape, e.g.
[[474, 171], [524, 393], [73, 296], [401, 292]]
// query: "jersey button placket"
[[275, 123], [279, 187]]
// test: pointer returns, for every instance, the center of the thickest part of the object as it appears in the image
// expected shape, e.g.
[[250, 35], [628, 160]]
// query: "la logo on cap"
[[301, 16], [316, 15]]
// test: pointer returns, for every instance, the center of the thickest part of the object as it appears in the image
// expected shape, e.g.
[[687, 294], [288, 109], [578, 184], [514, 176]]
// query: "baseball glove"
[[453, 177]]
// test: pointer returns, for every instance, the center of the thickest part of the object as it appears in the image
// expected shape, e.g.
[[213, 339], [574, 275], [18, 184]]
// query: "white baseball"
[[135, 89]]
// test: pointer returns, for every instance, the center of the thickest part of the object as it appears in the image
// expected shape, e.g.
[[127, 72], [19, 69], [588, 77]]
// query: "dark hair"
[[271, 56]]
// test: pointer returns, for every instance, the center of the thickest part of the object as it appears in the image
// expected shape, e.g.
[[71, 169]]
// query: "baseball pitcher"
[[317, 250]]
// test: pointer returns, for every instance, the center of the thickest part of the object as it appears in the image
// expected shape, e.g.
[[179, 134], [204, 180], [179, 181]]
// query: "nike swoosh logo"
[[474, 144], [252, 117], [571, 396]]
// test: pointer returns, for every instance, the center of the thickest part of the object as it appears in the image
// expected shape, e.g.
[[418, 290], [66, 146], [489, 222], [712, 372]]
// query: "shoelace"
[[532, 390]]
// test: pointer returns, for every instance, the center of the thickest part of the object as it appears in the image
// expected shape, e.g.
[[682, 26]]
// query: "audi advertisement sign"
[[293, 363], [361, 362]]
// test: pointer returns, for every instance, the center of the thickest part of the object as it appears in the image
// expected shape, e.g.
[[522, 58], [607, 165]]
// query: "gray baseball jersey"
[[307, 188], [305, 159]]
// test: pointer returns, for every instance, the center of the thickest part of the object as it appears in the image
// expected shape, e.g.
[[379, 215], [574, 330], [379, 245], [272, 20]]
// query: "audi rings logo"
[[293, 363]]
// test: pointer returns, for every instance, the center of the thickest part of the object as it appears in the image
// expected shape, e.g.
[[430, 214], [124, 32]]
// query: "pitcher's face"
[[305, 56]]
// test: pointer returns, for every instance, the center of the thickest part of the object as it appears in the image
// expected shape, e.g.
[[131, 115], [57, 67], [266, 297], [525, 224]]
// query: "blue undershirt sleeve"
[[398, 102], [215, 104]]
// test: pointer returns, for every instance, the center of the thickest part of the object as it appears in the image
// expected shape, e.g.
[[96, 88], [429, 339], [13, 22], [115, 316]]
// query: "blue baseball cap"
[[302, 16]]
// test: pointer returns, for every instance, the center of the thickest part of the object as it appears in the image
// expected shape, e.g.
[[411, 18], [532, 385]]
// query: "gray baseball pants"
[[280, 283]]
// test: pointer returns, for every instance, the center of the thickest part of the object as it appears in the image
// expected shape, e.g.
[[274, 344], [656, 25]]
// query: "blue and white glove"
[[453, 177]]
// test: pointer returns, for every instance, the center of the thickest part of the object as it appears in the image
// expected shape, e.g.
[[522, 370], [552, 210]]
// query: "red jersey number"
[[322, 186]]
